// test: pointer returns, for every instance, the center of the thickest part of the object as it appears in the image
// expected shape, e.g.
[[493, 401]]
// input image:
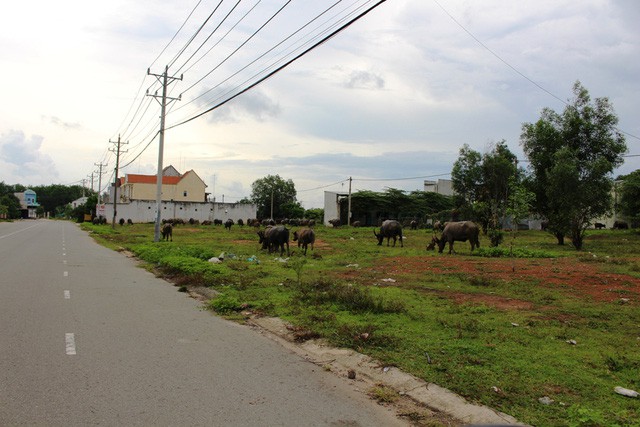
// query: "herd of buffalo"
[[275, 237]]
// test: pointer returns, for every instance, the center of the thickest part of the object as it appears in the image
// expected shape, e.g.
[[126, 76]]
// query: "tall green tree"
[[483, 181], [273, 190], [571, 158], [630, 195], [466, 174], [10, 205]]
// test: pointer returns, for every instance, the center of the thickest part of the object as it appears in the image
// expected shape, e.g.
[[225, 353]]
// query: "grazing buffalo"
[[275, 237], [228, 224], [304, 237], [620, 225], [389, 228], [457, 231], [167, 232], [335, 222], [414, 225], [599, 226], [217, 222]]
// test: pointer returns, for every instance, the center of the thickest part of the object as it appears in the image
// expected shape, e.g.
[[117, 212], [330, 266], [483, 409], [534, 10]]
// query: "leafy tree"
[[315, 213], [10, 203], [54, 198], [370, 206], [274, 191], [466, 174], [571, 158], [630, 195], [483, 181]]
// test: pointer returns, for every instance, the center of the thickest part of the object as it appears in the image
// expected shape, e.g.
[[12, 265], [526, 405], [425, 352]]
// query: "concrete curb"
[[343, 360]]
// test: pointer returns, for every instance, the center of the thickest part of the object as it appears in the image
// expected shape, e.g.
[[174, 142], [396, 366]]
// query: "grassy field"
[[504, 328]]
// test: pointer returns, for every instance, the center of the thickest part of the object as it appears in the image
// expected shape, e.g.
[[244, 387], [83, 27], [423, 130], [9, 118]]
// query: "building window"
[[185, 193]]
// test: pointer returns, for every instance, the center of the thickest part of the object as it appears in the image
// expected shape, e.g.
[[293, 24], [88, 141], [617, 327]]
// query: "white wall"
[[145, 211], [330, 206]]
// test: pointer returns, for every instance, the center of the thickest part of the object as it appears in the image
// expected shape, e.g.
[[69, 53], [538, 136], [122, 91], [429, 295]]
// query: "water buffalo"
[[275, 237], [620, 225], [599, 226], [414, 224], [335, 222], [389, 228], [228, 224], [167, 232], [458, 231], [305, 237]]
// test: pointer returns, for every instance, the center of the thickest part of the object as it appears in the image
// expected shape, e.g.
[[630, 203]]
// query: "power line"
[[401, 179], [269, 75], [488, 49]]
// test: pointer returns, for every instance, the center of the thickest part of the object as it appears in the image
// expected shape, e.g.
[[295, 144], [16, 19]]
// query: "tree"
[[275, 191], [10, 203], [466, 174], [630, 195], [483, 181], [571, 158]]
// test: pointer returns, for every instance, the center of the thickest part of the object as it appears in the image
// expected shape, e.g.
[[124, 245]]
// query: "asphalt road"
[[89, 338]]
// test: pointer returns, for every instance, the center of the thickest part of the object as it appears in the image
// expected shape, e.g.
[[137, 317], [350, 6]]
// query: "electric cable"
[[322, 41]]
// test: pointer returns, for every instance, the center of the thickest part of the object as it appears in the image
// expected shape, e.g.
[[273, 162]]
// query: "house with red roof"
[[184, 196], [187, 187]]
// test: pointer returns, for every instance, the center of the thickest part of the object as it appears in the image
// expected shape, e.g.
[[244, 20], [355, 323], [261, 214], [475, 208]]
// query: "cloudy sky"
[[389, 101]]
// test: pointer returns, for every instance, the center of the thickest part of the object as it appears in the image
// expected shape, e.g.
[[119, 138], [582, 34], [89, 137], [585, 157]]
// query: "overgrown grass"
[[353, 293]]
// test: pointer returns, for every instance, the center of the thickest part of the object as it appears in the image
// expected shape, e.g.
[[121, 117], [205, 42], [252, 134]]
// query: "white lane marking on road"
[[64, 254], [66, 274], [70, 344], [67, 294], [19, 231]]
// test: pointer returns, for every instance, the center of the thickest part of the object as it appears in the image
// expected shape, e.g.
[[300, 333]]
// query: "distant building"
[[183, 196], [441, 186], [28, 204], [187, 187], [79, 202], [332, 206]]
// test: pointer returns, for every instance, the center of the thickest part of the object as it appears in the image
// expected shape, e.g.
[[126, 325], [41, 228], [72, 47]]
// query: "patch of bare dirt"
[[584, 279]]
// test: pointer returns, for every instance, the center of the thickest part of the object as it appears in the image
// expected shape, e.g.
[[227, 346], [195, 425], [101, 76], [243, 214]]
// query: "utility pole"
[[115, 183], [100, 165], [349, 205], [271, 203], [83, 181], [164, 80]]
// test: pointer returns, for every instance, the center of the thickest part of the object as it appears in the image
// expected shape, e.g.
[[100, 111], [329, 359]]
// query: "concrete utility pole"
[[115, 183], [349, 204], [164, 80], [100, 166]]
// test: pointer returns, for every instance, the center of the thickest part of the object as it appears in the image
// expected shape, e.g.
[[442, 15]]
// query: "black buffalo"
[[457, 231], [167, 232], [620, 225], [304, 237], [275, 237], [389, 229]]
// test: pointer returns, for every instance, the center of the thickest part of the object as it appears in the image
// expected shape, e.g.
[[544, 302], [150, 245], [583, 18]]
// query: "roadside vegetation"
[[533, 329]]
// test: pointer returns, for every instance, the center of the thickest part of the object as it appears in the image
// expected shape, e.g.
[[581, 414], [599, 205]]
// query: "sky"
[[389, 101]]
